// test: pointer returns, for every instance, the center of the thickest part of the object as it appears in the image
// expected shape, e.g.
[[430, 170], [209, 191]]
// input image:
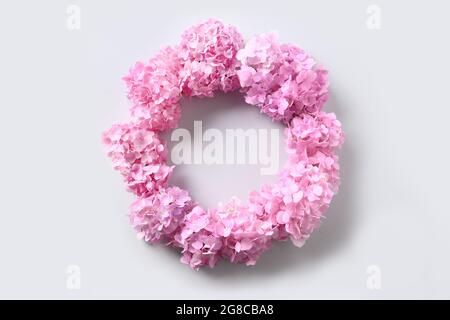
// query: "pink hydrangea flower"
[[230, 231], [208, 54], [139, 155], [305, 198], [283, 80], [245, 236], [311, 176], [201, 249], [158, 215], [321, 130], [200, 246], [154, 90]]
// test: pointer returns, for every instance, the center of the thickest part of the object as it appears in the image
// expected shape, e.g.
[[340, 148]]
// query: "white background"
[[62, 204]]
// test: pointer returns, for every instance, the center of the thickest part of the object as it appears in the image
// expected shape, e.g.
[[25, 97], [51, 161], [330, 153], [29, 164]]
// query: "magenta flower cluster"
[[287, 85]]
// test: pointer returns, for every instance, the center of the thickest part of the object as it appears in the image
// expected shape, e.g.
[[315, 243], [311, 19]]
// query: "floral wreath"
[[286, 84]]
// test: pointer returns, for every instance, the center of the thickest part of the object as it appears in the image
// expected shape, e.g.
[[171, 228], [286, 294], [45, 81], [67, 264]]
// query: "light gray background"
[[62, 204]]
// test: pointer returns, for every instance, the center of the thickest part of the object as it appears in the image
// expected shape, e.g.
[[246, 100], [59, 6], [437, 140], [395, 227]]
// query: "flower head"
[[154, 90], [283, 80], [160, 214], [139, 155], [208, 55]]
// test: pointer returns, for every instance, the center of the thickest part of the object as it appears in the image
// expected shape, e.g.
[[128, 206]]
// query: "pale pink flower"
[[283, 80], [208, 56], [154, 90], [139, 155], [158, 215]]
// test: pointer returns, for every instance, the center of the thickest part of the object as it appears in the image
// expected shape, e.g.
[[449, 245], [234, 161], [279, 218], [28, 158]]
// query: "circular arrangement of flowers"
[[286, 84]]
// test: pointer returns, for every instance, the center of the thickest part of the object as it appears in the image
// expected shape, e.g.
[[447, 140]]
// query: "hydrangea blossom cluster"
[[208, 58], [286, 84], [139, 155], [160, 214], [282, 79], [153, 88]]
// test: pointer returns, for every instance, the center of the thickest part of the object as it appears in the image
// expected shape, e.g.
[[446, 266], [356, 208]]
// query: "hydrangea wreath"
[[286, 84]]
